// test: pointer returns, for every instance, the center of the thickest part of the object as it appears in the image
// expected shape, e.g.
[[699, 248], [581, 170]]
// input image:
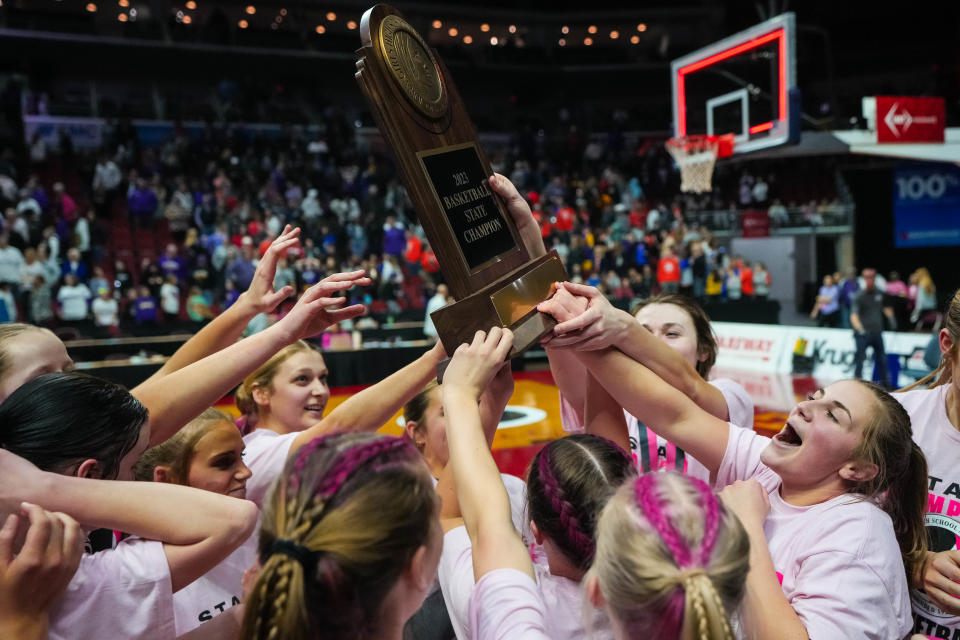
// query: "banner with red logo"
[[907, 119], [756, 224]]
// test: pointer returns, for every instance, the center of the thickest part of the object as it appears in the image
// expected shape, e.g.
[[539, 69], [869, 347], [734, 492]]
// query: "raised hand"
[[33, 578], [261, 297], [474, 365], [519, 210], [563, 305], [941, 578], [315, 310], [598, 326], [748, 500]]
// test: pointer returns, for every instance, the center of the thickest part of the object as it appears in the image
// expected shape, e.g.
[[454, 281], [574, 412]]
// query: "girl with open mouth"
[[833, 505]]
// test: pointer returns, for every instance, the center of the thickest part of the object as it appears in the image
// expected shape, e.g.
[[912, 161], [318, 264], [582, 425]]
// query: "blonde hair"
[[343, 522], [671, 561], [9, 331], [943, 374], [177, 452], [263, 377], [925, 281]]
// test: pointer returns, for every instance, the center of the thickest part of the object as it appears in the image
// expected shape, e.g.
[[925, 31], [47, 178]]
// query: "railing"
[[782, 221]]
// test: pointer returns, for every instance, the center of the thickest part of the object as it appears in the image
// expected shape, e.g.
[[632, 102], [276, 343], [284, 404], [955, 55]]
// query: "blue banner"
[[926, 205]]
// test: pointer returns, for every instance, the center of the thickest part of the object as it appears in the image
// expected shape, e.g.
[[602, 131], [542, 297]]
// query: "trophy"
[[422, 118]]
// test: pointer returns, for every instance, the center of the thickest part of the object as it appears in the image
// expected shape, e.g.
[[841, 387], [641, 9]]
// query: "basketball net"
[[696, 157]]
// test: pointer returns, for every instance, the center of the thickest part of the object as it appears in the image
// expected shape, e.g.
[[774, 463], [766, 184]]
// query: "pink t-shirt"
[[506, 605], [265, 454], [561, 598], [118, 593], [654, 453], [838, 562], [940, 442]]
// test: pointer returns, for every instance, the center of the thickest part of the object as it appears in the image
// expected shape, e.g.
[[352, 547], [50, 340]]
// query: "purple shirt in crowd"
[[146, 310], [394, 241]]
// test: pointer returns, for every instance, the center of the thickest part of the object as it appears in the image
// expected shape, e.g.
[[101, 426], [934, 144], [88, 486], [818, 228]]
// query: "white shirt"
[[562, 597], [82, 230], [217, 590], [107, 176], [105, 312], [10, 262], [940, 443], [170, 298], [436, 302], [73, 301], [838, 562], [265, 455], [118, 593], [506, 605]]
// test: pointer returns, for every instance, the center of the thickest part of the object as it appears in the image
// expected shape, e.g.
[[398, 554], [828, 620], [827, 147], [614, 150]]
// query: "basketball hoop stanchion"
[[696, 156]]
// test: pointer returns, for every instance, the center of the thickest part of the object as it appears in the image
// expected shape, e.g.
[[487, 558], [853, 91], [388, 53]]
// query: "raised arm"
[[199, 528], [604, 416], [602, 325], [371, 408], [182, 395], [661, 407], [225, 329], [482, 498]]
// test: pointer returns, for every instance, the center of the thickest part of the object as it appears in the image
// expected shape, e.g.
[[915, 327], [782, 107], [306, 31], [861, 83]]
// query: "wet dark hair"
[[569, 482], [58, 420]]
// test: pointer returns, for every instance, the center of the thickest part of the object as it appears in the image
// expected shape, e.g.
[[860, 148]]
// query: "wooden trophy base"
[[510, 302]]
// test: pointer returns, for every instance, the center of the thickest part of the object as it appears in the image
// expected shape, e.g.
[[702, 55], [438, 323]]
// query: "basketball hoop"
[[696, 156]]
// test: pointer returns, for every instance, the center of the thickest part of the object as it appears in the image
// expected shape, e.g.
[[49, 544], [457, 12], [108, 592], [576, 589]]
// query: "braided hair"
[[670, 560], [569, 481], [342, 524]]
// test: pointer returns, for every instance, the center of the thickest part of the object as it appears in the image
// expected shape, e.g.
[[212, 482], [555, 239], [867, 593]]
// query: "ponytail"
[[906, 503], [900, 486], [705, 617], [569, 482], [671, 561], [345, 519]]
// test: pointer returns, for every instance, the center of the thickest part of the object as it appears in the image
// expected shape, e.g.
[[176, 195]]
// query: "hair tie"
[[688, 575], [300, 553]]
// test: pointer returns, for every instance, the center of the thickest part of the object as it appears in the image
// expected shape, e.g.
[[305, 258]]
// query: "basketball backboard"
[[744, 84]]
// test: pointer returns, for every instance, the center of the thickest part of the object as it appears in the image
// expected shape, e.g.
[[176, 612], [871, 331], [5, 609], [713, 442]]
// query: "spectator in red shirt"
[[412, 252], [668, 272], [566, 216], [746, 281], [428, 260]]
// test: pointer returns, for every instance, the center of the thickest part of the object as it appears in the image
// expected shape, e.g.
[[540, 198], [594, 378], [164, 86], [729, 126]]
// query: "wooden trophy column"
[[423, 119]]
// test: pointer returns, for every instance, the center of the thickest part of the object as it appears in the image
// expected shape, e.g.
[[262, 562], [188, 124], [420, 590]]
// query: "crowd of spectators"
[[611, 208], [914, 303]]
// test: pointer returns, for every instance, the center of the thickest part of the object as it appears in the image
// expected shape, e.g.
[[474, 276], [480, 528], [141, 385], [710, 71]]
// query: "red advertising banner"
[[756, 224], [907, 119]]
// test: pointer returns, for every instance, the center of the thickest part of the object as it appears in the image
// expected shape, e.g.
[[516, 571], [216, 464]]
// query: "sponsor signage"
[[770, 348], [926, 205], [756, 224], [909, 119]]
